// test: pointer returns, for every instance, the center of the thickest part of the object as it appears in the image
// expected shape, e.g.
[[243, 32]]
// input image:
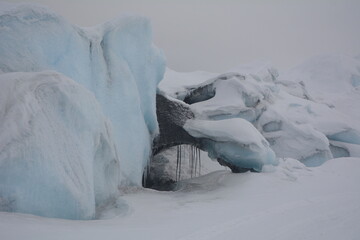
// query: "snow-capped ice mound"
[[116, 61], [57, 154], [235, 141], [175, 82], [294, 123], [232, 95], [300, 141]]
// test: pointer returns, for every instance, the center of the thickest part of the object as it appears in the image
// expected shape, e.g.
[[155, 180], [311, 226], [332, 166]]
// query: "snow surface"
[[290, 202]]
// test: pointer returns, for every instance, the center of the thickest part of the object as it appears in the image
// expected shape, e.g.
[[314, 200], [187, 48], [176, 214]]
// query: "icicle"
[[195, 161], [180, 162], [199, 161], [144, 178], [177, 163], [146, 172], [192, 153], [192, 161]]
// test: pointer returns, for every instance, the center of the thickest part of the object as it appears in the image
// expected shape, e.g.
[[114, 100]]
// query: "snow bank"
[[57, 154], [116, 61], [291, 202]]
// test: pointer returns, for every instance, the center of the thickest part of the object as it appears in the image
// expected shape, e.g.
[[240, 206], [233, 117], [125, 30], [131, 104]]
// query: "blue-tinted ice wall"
[[117, 61]]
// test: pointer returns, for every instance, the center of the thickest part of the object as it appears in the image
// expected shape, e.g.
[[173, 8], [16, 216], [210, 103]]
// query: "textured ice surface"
[[293, 120], [235, 97], [116, 61], [57, 155], [300, 141], [235, 141]]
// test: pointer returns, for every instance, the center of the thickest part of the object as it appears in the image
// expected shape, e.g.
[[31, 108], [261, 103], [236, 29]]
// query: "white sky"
[[216, 35]]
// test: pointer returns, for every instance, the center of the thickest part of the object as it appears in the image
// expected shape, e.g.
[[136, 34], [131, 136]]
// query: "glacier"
[[85, 128], [116, 61]]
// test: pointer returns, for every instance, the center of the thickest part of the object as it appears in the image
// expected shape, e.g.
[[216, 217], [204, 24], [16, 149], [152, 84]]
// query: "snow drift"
[[59, 162]]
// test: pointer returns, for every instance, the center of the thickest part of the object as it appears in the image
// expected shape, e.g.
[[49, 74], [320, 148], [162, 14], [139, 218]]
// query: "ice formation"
[[120, 68], [295, 123], [78, 119], [116, 61], [235, 142], [57, 153]]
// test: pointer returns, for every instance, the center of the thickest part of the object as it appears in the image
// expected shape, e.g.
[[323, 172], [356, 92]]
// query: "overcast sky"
[[216, 35]]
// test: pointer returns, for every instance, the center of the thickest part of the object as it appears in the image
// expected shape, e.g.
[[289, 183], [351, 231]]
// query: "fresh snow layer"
[[289, 202], [57, 155], [234, 140], [175, 81]]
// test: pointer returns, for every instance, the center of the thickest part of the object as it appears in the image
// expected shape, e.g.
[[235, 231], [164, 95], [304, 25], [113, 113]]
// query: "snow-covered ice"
[[291, 118], [235, 141]]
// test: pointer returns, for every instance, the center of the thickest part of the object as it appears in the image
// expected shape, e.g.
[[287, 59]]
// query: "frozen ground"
[[289, 202]]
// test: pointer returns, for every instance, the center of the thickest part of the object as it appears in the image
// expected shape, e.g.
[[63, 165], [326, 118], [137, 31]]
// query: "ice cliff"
[[58, 156]]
